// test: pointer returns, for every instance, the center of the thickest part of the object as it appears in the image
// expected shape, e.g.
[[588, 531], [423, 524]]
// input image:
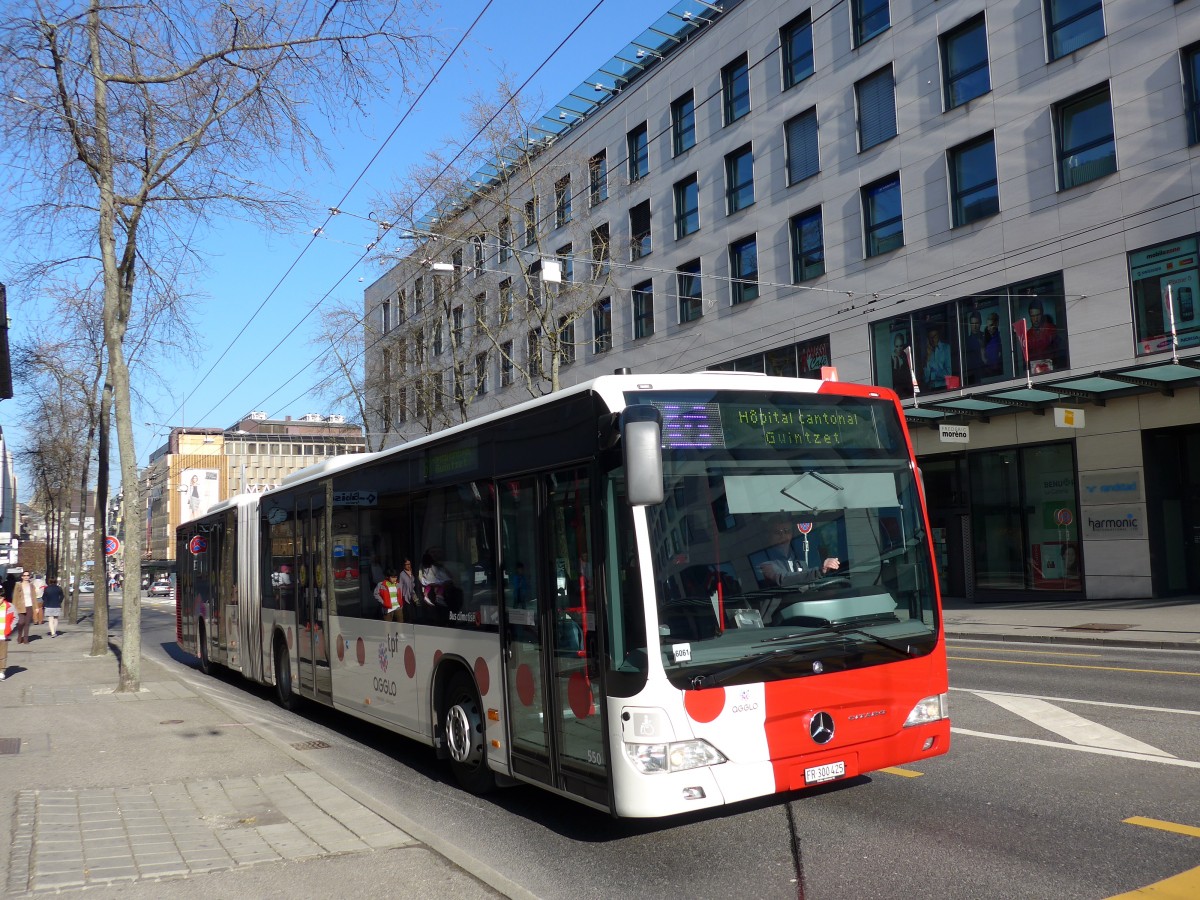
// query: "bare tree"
[[338, 347], [513, 276], [126, 121]]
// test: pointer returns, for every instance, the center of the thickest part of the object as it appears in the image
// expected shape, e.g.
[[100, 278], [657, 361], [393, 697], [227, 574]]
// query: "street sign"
[[198, 545], [112, 546]]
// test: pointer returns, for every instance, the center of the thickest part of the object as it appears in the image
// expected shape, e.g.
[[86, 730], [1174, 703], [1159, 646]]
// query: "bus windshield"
[[791, 539]]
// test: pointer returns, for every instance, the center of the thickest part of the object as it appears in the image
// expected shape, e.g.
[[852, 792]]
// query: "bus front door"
[[554, 695], [312, 646]]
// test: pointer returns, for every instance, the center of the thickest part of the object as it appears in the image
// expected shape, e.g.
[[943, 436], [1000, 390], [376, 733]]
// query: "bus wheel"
[[284, 694], [464, 733], [206, 665]]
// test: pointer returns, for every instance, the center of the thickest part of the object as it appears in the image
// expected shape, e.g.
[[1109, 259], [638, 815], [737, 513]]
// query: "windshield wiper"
[[827, 627], [713, 679]]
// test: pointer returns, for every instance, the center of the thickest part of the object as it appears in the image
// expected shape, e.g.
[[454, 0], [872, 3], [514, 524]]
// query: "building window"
[[600, 251], [477, 254], [506, 363], [639, 153], [683, 123], [876, 98], [562, 201], [598, 178], [481, 307], [533, 283], [1191, 90], [803, 156], [743, 270], [506, 301], [808, 246], [643, 309], [869, 18], [402, 306], [739, 179], [504, 236], [566, 265], [418, 294], [796, 47], [385, 315], [1072, 24], [531, 221], [1086, 147], [1160, 272], [436, 347], [456, 261], [456, 327], [602, 325], [534, 351], [735, 89], [688, 287], [974, 190], [965, 62], [639, 230], [566, 340], [883, 220], [687, 207]]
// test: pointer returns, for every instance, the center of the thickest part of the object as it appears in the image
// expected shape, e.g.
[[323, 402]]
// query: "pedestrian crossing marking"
[[1075, 729]]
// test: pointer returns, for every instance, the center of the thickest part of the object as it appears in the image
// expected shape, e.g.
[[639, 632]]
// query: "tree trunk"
[[72, 604], [100, 597]]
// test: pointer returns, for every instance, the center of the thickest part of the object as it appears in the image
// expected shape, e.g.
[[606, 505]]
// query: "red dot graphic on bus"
[[579, 695], [704, 706], [410, 662], [483, 677], [360, 650], [341, 649], [525, 685], [437, 657]]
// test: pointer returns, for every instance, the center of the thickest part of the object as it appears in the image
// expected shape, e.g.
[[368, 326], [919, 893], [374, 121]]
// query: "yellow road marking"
[[1026, 662], [1043, 652], [1184, 886], [903, 773], [1190, 830]]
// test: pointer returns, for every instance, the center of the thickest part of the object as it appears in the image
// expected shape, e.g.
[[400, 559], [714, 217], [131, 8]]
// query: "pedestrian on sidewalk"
[[8, 622], [23, 595], [52, 601]]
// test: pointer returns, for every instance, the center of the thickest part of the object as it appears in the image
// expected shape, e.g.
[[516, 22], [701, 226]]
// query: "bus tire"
[[284, 695], [206, 665], [465, 733]]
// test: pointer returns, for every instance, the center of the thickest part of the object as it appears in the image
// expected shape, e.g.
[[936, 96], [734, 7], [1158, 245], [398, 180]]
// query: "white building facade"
[[988, 206]]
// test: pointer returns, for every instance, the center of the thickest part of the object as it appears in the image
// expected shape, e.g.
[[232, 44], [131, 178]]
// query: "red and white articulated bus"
[[651, 593]]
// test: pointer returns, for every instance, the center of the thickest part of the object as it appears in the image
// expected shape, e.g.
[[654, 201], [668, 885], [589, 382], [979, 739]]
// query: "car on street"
[[87, 587], [160, 589]]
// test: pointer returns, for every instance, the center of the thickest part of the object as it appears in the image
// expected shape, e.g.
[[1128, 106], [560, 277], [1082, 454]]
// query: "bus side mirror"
[[641, 444]]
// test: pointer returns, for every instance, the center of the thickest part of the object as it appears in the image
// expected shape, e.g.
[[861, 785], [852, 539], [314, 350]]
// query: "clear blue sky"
[[245, 263]]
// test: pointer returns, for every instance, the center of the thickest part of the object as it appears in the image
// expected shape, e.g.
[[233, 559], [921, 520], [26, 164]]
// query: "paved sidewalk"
[[165, 794], [1166, 624]]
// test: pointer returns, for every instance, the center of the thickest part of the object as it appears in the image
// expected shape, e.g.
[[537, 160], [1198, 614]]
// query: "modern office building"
[[198, 467], [987, 205]]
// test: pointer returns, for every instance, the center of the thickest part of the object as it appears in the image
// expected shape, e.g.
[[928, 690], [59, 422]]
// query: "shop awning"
[[979, 404]]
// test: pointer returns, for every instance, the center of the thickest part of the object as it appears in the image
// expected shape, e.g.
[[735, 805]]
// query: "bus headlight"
[[652, 759], [930, 709]]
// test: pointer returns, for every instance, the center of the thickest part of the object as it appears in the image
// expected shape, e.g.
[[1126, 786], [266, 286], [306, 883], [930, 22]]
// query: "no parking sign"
[[112, 546]]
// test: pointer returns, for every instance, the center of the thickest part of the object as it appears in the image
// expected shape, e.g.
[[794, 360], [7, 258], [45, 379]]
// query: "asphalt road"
[[1070, 774]]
